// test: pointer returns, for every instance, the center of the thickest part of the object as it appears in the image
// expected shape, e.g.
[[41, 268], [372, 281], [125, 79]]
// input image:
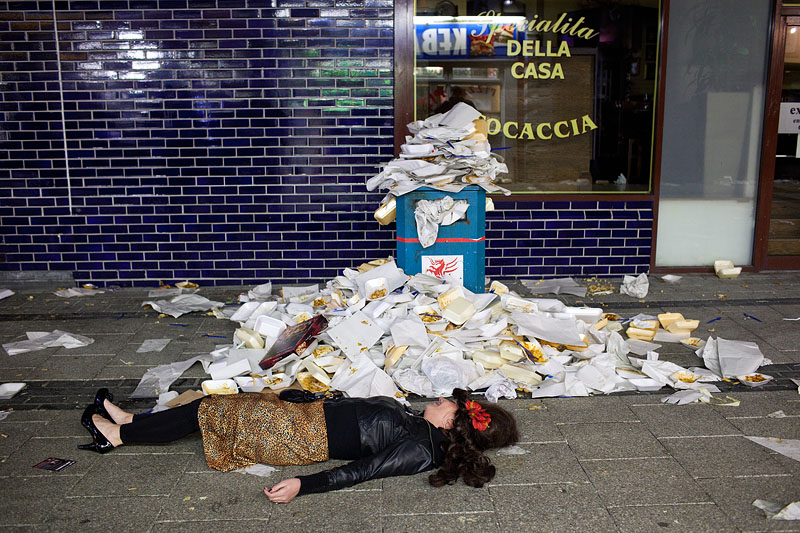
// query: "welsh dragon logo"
[[438, 268]]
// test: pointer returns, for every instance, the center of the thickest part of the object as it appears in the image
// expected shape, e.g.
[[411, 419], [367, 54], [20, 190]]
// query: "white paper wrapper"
[[38, 340], [152, 345], [185, 303], [362, 379], [635, 286]]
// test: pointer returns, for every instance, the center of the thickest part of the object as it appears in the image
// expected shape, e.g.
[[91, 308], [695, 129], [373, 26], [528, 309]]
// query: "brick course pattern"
[[229, 141]]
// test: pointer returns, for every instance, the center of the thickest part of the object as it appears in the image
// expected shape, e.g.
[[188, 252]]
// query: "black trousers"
[[164, 426]]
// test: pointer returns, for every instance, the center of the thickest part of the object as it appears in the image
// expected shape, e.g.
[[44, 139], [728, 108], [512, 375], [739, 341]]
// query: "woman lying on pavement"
[[379, 436]]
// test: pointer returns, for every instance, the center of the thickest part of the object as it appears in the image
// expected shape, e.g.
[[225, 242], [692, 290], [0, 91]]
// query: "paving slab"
[[413, 494], [592, 409], [651, 481], [217, 526], [100, 513], [117, 474], [556, 508], [721, 457], [543, 464], [704, 517], [536, 425], [28, 500], [667, 420], [216, 496], [735, 498], [66, 366], [782, 428], [332, 511], [612, 440], [20, 462], [463, 521], [760, 404]]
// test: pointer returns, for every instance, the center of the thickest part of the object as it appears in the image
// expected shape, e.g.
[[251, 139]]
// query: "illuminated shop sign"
[[463, 40]]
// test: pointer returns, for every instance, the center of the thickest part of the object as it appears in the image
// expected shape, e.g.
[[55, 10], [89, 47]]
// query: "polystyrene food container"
[[9, 390], [220, 386]]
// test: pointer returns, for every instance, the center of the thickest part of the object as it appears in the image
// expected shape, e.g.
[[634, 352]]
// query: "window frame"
[[404, 90]]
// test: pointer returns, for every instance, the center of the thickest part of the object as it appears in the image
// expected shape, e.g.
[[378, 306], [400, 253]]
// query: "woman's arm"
[[402, 459]]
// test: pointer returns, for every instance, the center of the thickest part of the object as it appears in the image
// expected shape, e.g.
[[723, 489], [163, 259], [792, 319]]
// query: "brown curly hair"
[[464, 455]]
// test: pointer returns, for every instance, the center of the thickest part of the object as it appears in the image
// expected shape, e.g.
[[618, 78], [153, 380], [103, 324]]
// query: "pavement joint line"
[[700, 436], [600, 422], [760, 416], [47, 437], [744, 476], [127, 494], [533, 484], [659, 504], [441, 513], [230, 519], [625, 458], [133, 454], [543, 442], [747, 476]]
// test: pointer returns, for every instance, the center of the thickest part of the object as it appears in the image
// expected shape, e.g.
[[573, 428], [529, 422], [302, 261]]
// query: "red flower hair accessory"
[[480, 418]]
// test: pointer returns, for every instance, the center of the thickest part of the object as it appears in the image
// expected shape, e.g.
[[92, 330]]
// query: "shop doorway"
[[780, 242]]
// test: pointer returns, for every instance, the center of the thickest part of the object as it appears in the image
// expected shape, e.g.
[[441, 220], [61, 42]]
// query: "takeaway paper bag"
[[362, 378], [729, 359]]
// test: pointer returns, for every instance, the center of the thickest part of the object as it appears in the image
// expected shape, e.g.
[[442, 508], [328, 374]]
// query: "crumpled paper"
[[729, 358], [158, 379], [430, 214], [447, 373], [77, 291], [635, 286], [39, 340], [257, 469], [182, 304], [683, 397], [455, 156], [362, 379], [555, 286], [501, 389], [776, 511]]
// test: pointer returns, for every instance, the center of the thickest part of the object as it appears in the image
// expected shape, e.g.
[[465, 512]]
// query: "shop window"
[[717, 61], [567, 86]]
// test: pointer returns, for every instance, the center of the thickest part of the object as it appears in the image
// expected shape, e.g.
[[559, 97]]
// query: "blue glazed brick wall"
[[568, 238], [228, 141]]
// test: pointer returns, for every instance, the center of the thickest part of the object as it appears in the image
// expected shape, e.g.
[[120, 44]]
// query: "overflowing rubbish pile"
[[447, 152], [374, 330]]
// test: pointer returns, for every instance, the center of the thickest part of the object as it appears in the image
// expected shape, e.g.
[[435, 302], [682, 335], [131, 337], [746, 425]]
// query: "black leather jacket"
[[394, 442]]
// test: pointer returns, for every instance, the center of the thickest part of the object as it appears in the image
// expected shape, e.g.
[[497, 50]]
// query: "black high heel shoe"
[[99, 406], [100, 443]]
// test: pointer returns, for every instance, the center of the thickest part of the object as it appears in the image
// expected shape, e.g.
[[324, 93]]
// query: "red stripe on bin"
[[405, 239]]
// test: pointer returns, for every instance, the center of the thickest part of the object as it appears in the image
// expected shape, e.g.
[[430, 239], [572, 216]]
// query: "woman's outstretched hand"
[[283, 492]]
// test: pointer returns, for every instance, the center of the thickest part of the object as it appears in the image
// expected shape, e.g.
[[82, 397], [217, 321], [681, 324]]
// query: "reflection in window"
[[567, 90]]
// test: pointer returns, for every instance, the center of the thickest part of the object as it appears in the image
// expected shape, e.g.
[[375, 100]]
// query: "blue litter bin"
[[460, 249]]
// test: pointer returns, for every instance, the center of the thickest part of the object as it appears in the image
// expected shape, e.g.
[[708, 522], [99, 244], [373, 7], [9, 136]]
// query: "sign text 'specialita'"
[[540, 69]]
